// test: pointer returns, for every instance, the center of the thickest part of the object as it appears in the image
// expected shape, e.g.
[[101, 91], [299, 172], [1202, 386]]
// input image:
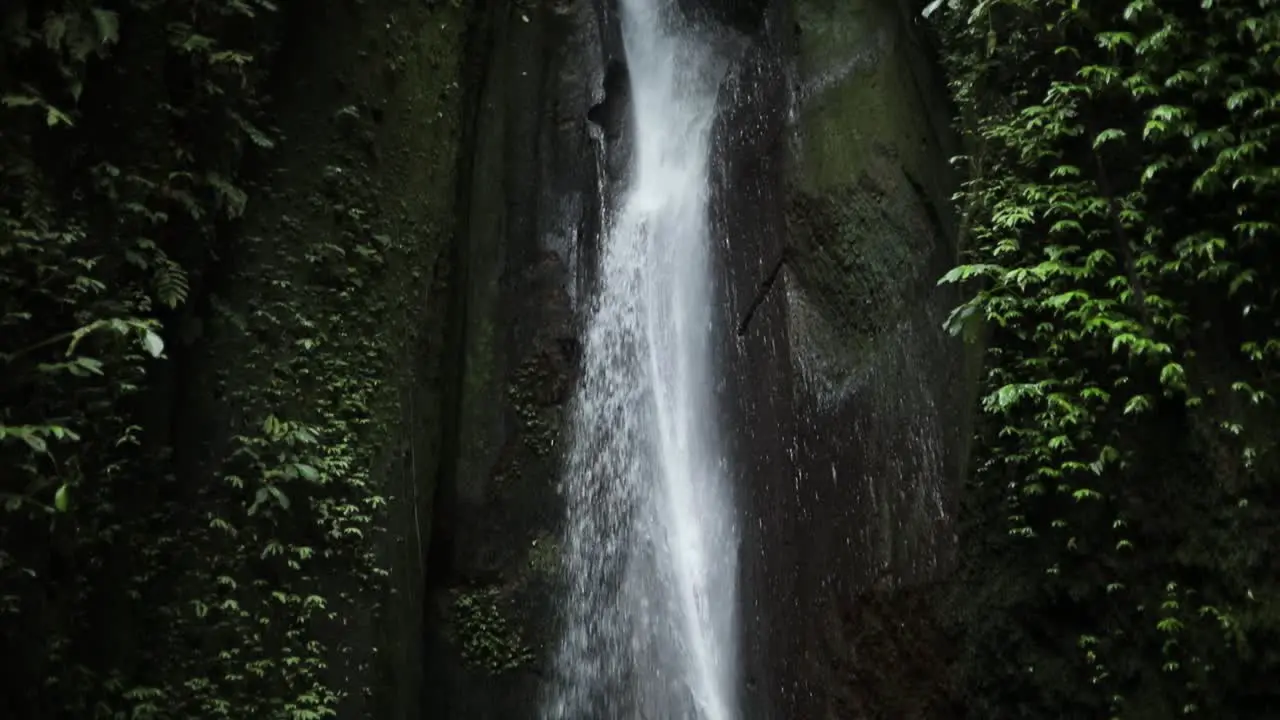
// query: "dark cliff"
[[291, 303], [531, 212], [346, 247], [850, 404], [845, 405]]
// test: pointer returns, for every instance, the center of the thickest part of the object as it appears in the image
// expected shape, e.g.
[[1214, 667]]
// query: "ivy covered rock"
[[1120, 230], [224, 242]]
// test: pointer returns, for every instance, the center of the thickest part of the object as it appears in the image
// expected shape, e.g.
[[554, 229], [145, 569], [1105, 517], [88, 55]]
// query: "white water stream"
[[650, 546]]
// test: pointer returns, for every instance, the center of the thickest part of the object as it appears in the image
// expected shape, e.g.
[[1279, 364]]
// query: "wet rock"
[[881, 394], [611, 112], [531, 215], [843, 401]]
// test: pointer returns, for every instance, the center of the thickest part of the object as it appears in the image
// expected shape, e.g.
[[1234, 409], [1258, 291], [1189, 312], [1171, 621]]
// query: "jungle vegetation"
[[191, 406], [1120, 232], [1119, 225]]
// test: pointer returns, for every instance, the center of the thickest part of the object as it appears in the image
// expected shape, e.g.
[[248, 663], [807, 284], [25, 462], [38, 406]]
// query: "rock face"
[[398, 304], [844, 401], [547, 106], [331, 309], [848, 402], [883, 426], [852, 404]]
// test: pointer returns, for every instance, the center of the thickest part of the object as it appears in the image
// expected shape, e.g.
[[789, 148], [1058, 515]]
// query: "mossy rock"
[[487, 634], [867, 187], [862, 256], [544, 556]]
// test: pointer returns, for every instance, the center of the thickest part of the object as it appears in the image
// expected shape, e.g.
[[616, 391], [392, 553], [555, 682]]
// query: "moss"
[[845, 85], [860, 91], [488, 638], [860, 269], [539, 414], [867, 235], [851, 250], [342, 324], [544, 555], [861, 98]]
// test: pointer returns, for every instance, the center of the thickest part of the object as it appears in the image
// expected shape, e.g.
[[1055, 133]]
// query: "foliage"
[[487, 638], [113, 185], [1120, 231], [143, 575]]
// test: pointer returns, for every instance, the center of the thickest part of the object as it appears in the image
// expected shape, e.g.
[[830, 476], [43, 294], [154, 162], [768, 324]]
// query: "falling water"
[[650, 548]]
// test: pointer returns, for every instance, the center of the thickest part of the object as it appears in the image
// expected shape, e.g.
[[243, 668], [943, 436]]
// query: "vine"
[[125, 128], [1120, 224]]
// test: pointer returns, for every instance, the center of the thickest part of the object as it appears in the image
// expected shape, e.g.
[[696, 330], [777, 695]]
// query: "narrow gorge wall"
[[530, 218], [884, 395], [848, 402], [238, 219], [476, 148], [330, 311], [345, 494], [844, 401]]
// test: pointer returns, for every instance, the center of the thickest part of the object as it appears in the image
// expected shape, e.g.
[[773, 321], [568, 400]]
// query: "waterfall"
[[650, 546]]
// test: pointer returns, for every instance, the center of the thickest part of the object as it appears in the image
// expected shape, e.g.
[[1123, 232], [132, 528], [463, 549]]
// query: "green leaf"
[[1137, 404], [964, 272], [279, 496], [1108, 135], [35, 441], [89, 365], [60, 499], [1173, 376], [19, 101], [152, 343], [108, 26], [307, 472], [54, 117]]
